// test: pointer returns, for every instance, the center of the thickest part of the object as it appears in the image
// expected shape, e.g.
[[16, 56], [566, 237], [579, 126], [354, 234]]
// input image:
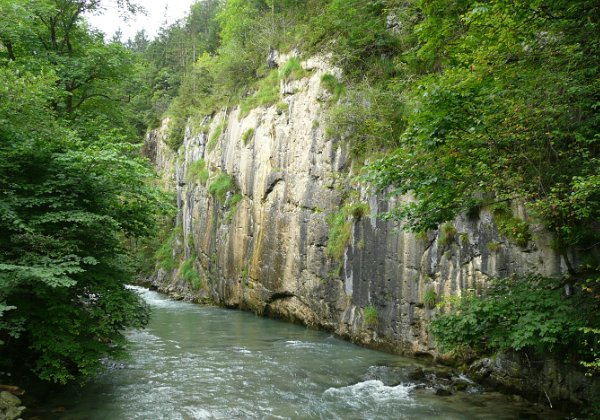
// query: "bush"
[[332, 85], [340, 227], [339, 235], [175, 132], [514, 229], [357, 210], [165, 255], [189, 273], [370, 119], [524, 313], [430, 298], [247, 136], [371, 316], [214, 138], [446, 236], [219, 188], [267, 94], [197, 172], [232, 206], [292, 70]]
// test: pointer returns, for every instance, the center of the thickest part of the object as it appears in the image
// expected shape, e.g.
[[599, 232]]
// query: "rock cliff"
[[256, 196], [262, 245]]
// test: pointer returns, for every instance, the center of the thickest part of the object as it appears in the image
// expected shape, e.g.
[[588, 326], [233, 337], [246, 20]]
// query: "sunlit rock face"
[[267, 252]]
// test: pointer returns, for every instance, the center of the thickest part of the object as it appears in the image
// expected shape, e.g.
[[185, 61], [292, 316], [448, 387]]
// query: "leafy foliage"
[[232, 204], [73, 188], [189, 273], [220, 186], [332, 85], [247, 136], [340, 232], [509, 113], [531, 313], [215, 136], [446, 235], [267, 94], [369, 119], [292, 70], [197, 172], [430, 298], [340, 227], [165, 255], [515, 229]]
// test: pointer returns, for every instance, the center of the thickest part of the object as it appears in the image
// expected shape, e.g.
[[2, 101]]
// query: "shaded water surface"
[[198, 362]]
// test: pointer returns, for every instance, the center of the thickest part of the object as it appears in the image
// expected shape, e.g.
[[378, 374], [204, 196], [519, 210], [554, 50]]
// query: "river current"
[[201, 362]]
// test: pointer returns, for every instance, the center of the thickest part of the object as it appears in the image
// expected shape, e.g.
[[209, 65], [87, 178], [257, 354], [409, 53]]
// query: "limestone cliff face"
[[267, 252]]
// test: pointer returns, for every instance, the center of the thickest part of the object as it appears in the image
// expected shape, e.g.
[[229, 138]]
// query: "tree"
[[73, 187], [509, 112]]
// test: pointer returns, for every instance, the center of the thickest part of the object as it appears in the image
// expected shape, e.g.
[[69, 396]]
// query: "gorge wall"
[[256, 195], [262, 245]]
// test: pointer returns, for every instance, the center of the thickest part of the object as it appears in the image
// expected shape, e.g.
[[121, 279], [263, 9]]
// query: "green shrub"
[[282, 106], [165, 254], [370, 120], [340, 232], [516, 230], [197, 172], [494, 246], [340, 227], [175, 132], [370, 314], [232, 207], [222, 184], [430, 298], [214, 138], [292, 70], [447, 233], [524, 313], [247, 136], [266, 94], [358, 210], [332, 85], [189, 273]]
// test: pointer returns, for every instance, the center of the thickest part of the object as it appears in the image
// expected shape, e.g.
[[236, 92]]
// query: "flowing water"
[[199, 362]]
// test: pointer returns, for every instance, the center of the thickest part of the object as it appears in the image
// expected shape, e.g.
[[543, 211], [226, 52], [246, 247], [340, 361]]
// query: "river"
[[201, 362]]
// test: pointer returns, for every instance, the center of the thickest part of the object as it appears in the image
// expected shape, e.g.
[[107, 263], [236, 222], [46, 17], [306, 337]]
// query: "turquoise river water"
[[200, 362]]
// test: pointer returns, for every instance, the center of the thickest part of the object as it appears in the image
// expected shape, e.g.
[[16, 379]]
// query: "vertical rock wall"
[[268, 252]]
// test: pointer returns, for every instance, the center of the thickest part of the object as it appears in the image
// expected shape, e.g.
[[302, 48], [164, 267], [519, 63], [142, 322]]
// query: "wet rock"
[[390, 376], [460, 385], [480, 370], [543, 381], [416, 374], [8, 400], [10, 406], [442, 392]]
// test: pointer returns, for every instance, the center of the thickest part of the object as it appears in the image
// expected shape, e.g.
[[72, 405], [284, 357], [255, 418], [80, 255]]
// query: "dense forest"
[[463, 104]]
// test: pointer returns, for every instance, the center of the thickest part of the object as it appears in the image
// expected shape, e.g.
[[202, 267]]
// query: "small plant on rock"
[[371, 316], [430, 298], [247, 136]]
